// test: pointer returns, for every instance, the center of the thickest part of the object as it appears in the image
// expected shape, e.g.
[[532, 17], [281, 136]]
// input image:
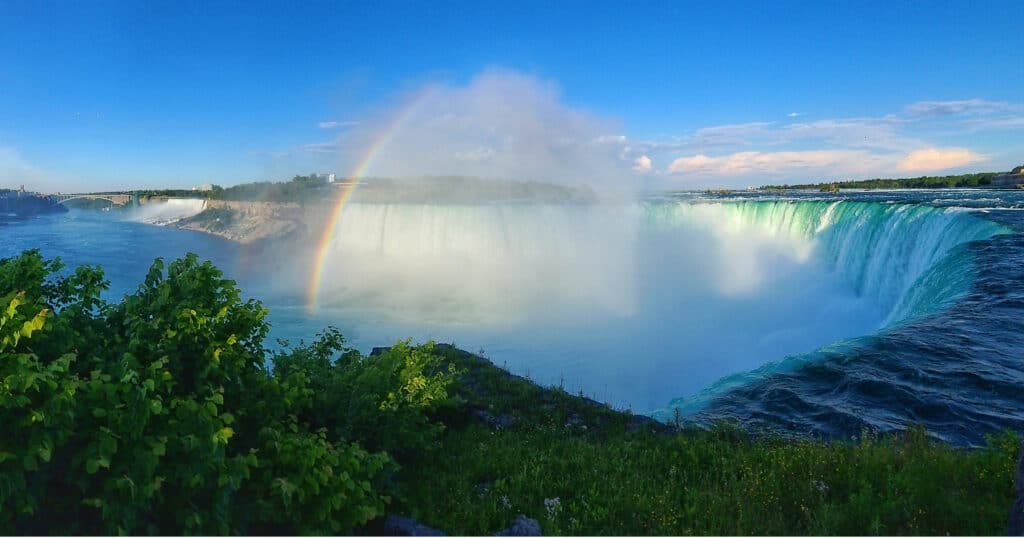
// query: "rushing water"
[[805, 312]]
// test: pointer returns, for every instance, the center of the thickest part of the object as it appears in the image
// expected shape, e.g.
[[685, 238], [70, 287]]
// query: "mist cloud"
[[501, 124]]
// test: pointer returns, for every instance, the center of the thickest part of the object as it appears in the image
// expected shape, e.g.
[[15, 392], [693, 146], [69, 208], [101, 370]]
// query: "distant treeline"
[[924, 182], [172, 193], [432, 189], [299, 189]]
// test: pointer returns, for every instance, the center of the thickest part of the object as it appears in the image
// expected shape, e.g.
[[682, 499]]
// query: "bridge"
[[116, 198]]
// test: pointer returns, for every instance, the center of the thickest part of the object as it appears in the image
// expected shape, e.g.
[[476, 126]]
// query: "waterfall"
[[903, 257], [167, 212], [473, 261], [482, 263]]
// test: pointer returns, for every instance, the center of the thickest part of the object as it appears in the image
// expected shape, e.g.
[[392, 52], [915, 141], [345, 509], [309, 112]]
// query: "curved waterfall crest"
[[906, 258]]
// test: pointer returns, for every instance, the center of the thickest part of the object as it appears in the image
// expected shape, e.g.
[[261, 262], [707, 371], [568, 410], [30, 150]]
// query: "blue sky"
[[97, 95]]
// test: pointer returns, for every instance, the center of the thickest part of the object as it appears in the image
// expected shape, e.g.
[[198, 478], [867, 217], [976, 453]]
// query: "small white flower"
[[505, 502], [552, 506]]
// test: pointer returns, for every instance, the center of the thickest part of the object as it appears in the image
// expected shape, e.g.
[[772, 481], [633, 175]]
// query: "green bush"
[[386, 401], [157, 414]]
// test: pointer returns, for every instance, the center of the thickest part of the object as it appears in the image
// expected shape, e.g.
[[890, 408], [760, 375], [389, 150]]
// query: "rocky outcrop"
[[248, 222]]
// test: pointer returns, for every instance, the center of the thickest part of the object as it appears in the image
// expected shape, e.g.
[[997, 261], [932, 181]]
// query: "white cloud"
[[513, 125], [849, 133], [336, 124], [933, 159], [320, 147], [476, 154], [964, 106], [830, 162], [611, 139], [642, 164], [1008, 122], [879, 133]]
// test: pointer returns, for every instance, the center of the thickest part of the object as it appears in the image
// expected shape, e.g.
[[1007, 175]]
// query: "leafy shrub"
[[384, 400], [158, 415]]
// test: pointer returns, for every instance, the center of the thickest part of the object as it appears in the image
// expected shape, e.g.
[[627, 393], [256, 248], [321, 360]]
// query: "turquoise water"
[[806, 313]]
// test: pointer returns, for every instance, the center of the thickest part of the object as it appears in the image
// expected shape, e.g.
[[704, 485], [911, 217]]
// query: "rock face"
[[522, 526], [247, 222], [1015, 526]]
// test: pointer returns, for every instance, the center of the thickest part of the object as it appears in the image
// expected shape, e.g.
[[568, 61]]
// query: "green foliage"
[[603, 480], [157, 414], [386, 400], [301, 189], [713, 483]]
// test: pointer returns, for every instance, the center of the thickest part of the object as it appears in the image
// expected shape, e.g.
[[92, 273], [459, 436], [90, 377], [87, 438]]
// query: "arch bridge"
[[116, 198]]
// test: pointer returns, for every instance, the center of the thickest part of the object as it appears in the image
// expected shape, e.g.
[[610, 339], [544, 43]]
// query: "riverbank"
[[581, 468]]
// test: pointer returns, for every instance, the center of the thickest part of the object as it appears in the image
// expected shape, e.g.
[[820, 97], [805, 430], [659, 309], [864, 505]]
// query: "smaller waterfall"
[[168, 212]]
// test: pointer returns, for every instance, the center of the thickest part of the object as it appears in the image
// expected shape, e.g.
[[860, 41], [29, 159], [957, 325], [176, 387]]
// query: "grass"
[[581, 468]]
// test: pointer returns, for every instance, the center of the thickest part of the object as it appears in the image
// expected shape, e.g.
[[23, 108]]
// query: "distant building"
[[326, 178], [203, 188], [1010, 180]]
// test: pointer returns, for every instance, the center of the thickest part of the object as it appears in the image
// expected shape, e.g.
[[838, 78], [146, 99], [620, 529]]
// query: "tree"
[[158, 414]]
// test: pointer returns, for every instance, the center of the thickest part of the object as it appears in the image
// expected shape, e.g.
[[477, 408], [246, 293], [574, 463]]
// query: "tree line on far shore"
[[980, 179]]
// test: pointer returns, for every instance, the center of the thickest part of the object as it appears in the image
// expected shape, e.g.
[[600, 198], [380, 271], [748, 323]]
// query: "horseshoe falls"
[[802, 313], [680, 305]]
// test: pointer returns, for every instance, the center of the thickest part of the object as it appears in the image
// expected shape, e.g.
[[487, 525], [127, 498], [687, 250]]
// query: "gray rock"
[[496, 422], [483, 488], [574, 420], [638, 423], [504, 421], [403, 526], [522, 526], [1015, 525]]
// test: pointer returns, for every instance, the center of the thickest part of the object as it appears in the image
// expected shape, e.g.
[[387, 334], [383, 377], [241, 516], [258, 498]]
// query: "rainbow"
[[352, 181]]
